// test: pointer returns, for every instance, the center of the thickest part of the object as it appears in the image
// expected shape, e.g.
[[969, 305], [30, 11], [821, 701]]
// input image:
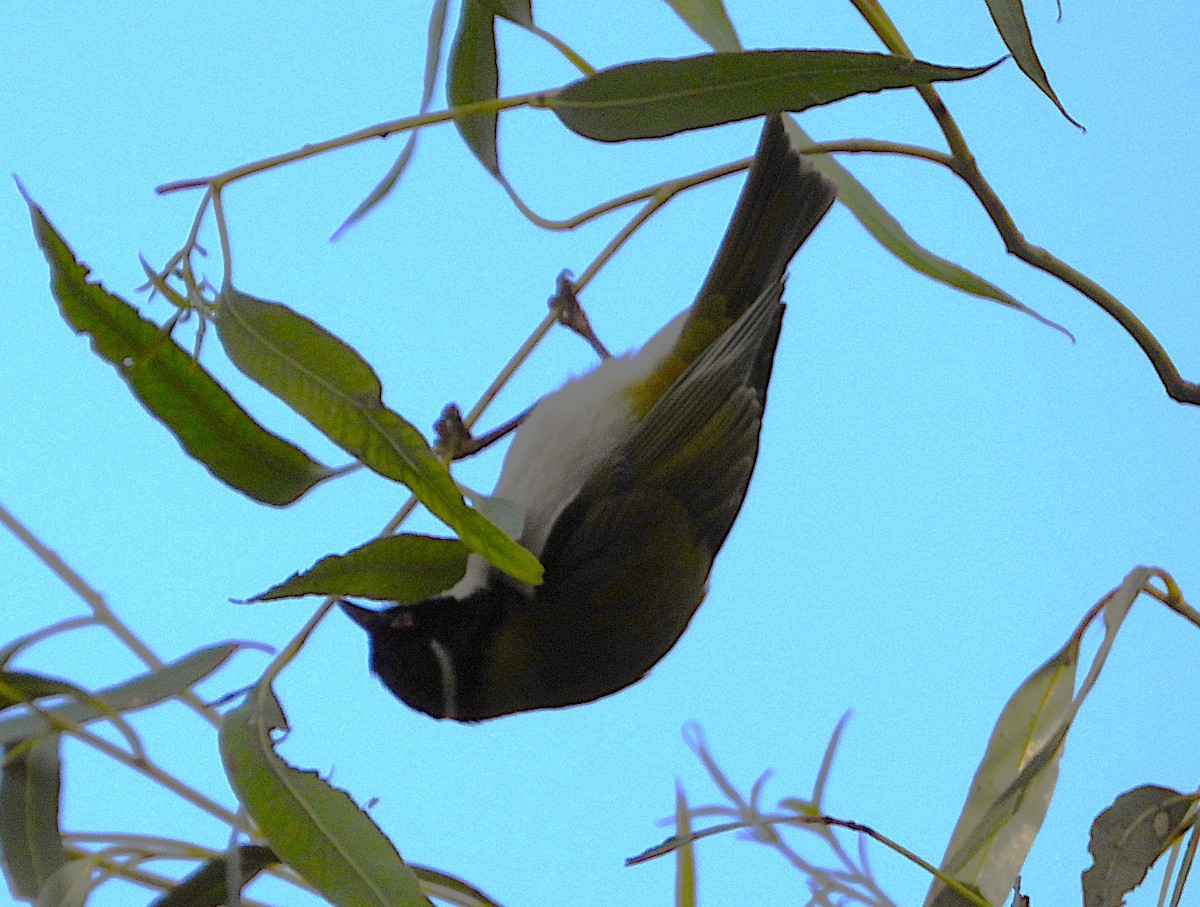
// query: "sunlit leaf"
[[1128, 837], [654, 98], [141, 692], [474, 75], [399, 568], [1009, 16], [330, 385], [70, 886], [313, 827], [17, 687], [1012, 787], [710, 22], [207, 886], [174, 387], [30, 839]]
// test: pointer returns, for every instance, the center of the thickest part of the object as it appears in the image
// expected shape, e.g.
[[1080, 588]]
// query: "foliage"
[[295, 824]]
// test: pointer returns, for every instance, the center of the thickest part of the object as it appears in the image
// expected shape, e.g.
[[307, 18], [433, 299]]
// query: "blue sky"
[[945, 485]]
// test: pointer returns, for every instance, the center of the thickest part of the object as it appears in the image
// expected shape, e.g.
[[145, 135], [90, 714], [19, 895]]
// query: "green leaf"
[[474, 75], [399, 568], [313, 827], [70, 886], [174, 387], [453, 890], [132, 695], [206, 887], [1012, 787], [710, 22], [433, 60], [889, 233], [519, 12], [330, 385], [20, 687], [1009, 16], [30, 839], [655, 98], [1128, 837]]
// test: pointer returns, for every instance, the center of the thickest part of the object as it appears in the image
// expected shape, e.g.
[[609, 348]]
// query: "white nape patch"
[[562, 441], [449, 680]]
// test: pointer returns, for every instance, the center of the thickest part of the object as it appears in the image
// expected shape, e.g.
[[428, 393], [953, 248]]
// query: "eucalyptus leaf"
[[329, 384], [139, 693], [1013, 785], [313, 827], [173, 387], [473, 76], [709, 20], [399, 568], [30, 790], [655, 98], [1128, 837], [207, 886], [1009, 16]]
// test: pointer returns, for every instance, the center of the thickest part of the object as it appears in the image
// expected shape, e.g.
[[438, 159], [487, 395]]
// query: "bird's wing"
[[691, 457]]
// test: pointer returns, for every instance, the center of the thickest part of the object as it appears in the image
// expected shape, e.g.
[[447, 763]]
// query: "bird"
[[627, 480]]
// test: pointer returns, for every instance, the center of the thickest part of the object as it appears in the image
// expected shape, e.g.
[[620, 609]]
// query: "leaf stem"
[[967, 168], [100, 610]]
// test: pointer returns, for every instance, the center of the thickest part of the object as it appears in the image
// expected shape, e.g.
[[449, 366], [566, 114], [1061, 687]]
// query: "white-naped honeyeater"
[[627, 479]]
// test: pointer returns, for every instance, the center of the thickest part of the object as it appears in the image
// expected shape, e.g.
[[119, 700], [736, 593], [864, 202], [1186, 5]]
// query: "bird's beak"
[[366, 618]]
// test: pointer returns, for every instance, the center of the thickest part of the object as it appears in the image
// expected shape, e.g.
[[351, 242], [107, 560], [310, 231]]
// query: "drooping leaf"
[[313, 827], [174, 387], [709, 20], [139, 693], [1009, 16], [889, 233], [433, 61], [70, 886], [30, 840], [1012, 787], [207, 886], [330, 385], [451, 889], [1128, 837], [400, 568], [655, 98], [474, 75]]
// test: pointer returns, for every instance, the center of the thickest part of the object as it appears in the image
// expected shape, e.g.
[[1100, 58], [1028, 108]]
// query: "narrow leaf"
[[30, 839], [206, 887], [330, 385], [70, 886], [709, 20], [655, 98], [19, 687], [453, 890], [174, 387], [313, 827], [517, 11], [399, 568], [1009, 16], [889, 233], [1012, 787], [433, 60], [132, 695], [474, 75], [1128, 837]]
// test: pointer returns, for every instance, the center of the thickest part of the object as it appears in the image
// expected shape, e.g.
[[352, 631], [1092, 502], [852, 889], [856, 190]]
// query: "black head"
[[433, 654]]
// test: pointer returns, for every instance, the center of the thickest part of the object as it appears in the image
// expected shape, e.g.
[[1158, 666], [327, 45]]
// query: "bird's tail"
[[782, 202]]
